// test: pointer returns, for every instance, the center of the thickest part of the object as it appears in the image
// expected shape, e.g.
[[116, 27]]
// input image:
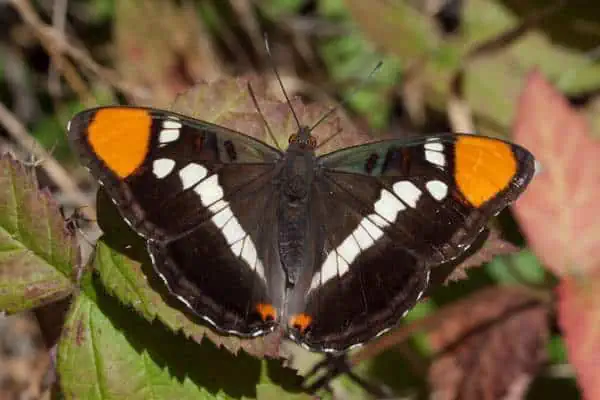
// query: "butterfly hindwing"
[[363, 281]]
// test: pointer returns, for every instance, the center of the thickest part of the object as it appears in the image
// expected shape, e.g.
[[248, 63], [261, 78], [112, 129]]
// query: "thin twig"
[[245, 11], [386, 341], [458, 110], [59, 20], [56, 44], [54, 170], [66, 68]]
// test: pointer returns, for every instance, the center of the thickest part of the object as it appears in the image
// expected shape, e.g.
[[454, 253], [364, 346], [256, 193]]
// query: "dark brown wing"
[[388, 212], [199, 194]]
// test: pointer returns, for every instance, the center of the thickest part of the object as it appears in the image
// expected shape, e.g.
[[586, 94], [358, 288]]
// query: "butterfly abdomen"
[[296, 181]]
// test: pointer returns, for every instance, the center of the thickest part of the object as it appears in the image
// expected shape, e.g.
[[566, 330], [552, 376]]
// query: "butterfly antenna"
[[287, 99], [269, 131], [343, 102]]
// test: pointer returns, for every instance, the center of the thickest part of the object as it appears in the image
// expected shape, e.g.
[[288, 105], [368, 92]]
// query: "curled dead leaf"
[[489, 345]]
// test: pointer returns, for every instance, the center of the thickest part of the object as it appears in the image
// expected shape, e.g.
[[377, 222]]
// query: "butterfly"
[[334, 249]]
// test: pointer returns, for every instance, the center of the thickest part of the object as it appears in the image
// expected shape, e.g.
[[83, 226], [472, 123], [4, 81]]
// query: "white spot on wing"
[[349, 249], [316, 281], [260, 270], [211, 195], [171, 124], [362, 237], [408, 192], [221, 218], [236, 248], [209, 190], [437, 189], [435, 157], [329, 268], [342, 266], [249, 252], [69, 125], [168, 135], [338, 261], [218, 206], [388, 206], [233, 231], [372, 228], [191, 174], [377, 220], [434, 144], [162, 167]]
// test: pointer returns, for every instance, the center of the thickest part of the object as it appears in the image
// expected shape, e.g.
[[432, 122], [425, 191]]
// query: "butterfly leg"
[[335, 365]]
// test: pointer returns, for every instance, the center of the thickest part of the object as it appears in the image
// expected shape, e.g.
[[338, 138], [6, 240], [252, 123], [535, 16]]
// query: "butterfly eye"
[[293, 139], [312, 142]]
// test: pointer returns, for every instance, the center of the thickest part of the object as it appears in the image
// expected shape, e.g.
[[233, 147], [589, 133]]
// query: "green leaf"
[[109, 352], [521, 267], [557, 352], [37, 252], [492, 80], [349, 59], [50, 132], [102, 9], [278, 8]]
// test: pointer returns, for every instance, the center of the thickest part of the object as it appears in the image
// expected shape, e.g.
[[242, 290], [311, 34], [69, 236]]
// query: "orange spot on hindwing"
[[483, 168], [120, 137], [266, 311], [301, 322]]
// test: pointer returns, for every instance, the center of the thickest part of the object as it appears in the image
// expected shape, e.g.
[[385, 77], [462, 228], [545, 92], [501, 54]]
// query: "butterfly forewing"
[[436, 193], [154, 163]]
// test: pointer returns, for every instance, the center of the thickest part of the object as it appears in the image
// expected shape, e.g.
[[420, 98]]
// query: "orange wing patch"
[[120, 137], [301, 322], [266, 311], [483, 167]]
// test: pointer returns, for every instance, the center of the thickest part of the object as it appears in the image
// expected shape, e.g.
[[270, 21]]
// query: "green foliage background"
[[327, 47]]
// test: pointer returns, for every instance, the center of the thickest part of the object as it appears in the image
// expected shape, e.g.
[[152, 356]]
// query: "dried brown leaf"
[[490, 345], [154, 51], [227, 102]]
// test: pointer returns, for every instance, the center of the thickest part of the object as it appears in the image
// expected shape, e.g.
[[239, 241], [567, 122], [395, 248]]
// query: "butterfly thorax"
[[295, 183]]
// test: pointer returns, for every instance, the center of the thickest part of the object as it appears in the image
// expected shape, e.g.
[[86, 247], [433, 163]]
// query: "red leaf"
[[559, 210], [491, 345], [579, 319]]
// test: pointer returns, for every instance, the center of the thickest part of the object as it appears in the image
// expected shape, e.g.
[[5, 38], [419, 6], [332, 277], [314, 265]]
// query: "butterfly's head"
[[303, 139]]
